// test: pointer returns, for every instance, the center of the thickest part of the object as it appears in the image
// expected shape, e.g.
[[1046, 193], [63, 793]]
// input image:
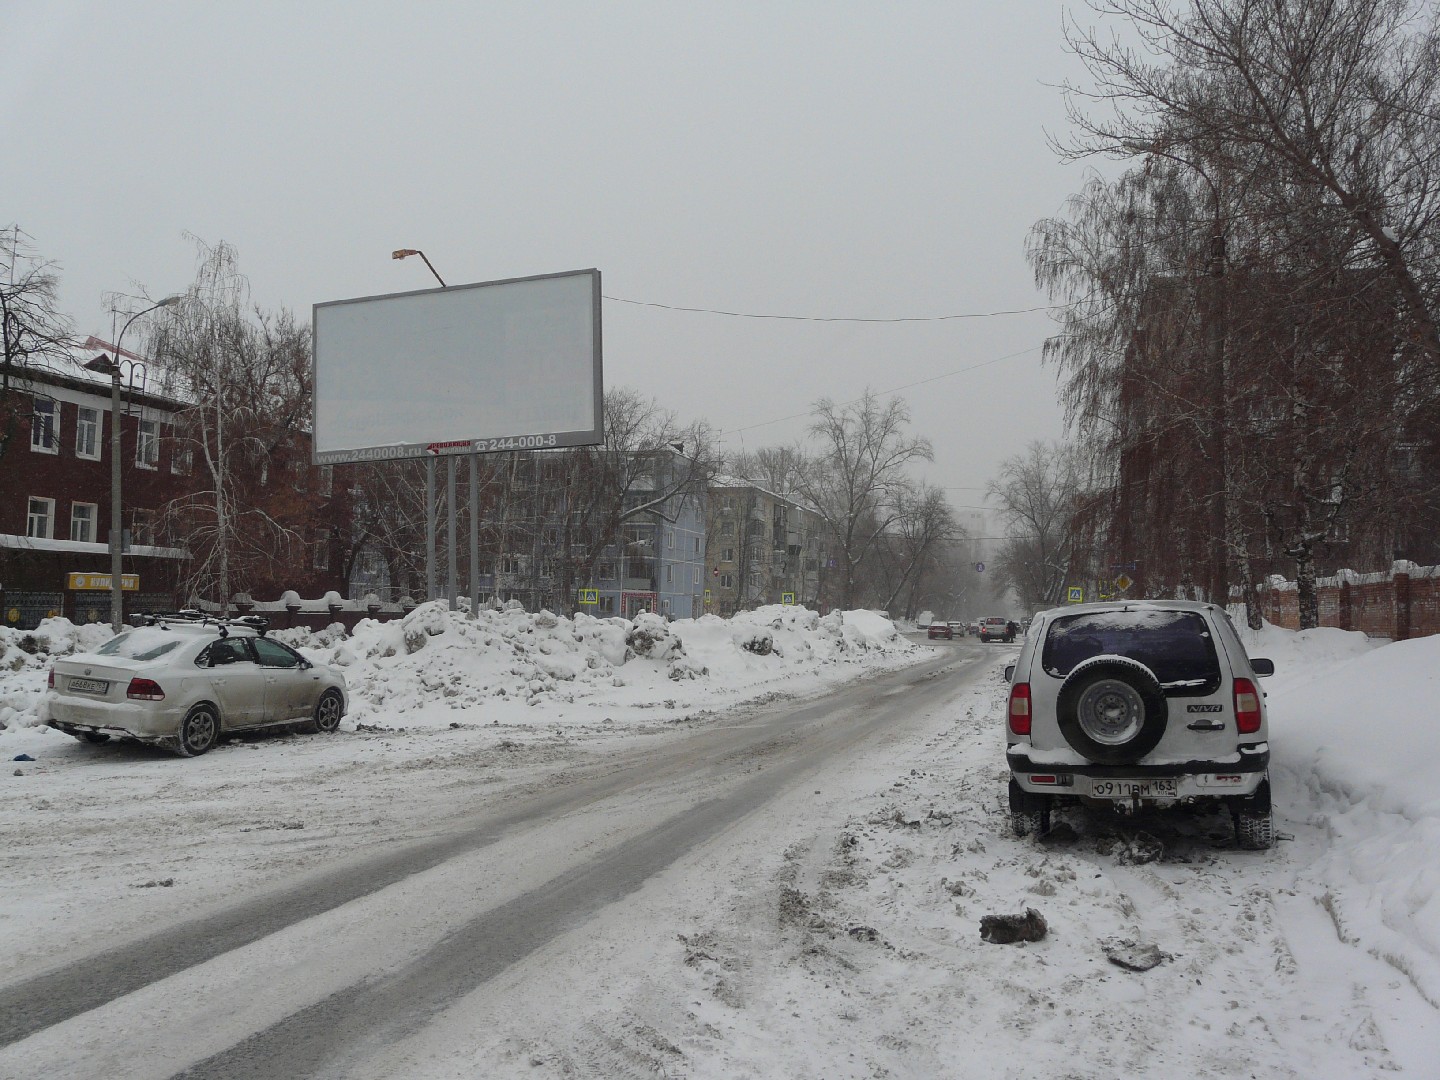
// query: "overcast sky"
[[827, 159]]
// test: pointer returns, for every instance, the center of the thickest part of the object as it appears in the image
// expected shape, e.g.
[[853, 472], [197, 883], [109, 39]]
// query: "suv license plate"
[[1129, 789], [88, 686]]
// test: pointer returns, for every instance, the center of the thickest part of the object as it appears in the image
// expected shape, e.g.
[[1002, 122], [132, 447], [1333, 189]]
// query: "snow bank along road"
[[314, 977]]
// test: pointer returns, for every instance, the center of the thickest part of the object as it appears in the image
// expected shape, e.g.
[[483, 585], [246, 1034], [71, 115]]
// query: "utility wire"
[[895, 389], [831, 318]]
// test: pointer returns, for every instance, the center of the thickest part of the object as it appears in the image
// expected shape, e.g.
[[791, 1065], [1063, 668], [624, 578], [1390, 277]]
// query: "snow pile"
[[25, 657], [1354, 728], [434, 662]]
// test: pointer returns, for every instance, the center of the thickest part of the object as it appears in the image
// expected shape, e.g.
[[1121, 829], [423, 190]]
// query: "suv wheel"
[[1029, 813], [1112, 710], [1254, 820]]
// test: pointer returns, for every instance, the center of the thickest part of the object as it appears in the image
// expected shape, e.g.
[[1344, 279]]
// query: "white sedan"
[[183, 684]]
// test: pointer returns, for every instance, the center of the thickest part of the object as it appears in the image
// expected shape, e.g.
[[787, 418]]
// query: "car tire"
[[1029, 813], [1255, 820], [328, 711], [199, 731], [1112, 710], [96, 737]]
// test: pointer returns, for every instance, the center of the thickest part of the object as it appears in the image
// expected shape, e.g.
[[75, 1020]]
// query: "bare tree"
[[856, 480], [243, 376], [648, 465], [1036, 494], [30, 326], [924, 526], [1338, 99]]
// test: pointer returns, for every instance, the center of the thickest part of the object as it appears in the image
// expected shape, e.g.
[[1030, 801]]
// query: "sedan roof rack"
[[258, 623]]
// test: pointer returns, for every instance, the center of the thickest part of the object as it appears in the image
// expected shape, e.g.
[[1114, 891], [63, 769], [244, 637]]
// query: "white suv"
[[1149, 702]]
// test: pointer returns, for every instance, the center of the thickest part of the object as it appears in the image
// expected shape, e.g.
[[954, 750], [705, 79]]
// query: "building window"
[[82, 522], [147, 444], [41, 522], [669, 539], [142, 527], [45, 426], [728, 555], [669, 574], [321, 559], [87, 433], [182, 459], [697, 546], [727, 581]]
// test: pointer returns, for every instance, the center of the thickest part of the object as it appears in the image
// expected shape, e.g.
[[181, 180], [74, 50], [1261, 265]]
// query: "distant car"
[[940, 629], [184, 682], [957, 629], [996, 629]]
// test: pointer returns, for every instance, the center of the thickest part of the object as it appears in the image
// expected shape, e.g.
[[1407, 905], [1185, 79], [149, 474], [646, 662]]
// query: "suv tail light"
[[145, 690], [1020, 708], [1247, 707], [50, 682]]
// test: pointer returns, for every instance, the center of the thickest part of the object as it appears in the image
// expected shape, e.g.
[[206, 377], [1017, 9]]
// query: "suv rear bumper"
[[1194, 779]]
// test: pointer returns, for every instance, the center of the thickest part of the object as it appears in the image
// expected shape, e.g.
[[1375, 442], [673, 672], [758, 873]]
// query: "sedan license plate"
[[1159, 788], [88, 686]]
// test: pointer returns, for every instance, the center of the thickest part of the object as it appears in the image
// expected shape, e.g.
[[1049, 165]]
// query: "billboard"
[[497, 365]]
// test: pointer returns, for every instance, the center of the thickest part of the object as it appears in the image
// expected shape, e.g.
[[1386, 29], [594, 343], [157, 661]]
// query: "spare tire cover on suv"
[[1112, 710]]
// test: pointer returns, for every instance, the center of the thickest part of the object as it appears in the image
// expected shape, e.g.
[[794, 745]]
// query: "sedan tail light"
[[1020, 708], [1247, 707], [50, 682], [145, 690]]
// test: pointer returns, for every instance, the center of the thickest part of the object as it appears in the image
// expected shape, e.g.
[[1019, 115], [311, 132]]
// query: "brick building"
[[55, 506]]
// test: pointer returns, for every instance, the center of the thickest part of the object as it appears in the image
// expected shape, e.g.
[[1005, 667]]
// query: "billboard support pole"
[[430, 528], [474, 534], [452, 578]]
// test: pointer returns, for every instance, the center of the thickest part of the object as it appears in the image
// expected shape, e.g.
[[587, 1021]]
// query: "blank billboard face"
[[495, 366]]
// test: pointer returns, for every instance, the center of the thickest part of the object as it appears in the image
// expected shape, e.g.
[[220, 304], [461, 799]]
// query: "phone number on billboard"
[[518, 442]]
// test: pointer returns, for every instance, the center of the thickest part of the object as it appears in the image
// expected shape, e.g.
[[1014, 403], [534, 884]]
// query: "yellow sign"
[[1075, 594], [1123, 582], [707, 597], [589, 596], [13, 615], [787, 598], [128, 582]]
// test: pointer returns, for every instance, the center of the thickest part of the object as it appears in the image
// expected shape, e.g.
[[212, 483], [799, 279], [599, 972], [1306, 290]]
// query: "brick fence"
[[1399, 603]]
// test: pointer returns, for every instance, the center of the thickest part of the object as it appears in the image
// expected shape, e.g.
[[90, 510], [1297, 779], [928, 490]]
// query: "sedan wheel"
[[328, 711], [199, 731]]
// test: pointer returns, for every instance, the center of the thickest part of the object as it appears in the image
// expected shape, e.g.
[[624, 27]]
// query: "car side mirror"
[[1009, 672], [1262, 667]]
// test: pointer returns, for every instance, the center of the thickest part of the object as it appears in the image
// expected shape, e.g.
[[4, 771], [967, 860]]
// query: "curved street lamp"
[[107, 365]]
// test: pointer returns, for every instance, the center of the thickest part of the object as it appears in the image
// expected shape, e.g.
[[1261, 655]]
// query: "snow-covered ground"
[[834, 932]]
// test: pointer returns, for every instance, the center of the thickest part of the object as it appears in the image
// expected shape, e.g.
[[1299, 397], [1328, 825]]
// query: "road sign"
[[1123, 583], [1075, 594], [589, 596], [787, 598], [979, 568], [1122, 566]]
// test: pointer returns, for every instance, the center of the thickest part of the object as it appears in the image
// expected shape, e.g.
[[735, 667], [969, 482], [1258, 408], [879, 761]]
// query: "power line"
[[831, 318], [896, 389]]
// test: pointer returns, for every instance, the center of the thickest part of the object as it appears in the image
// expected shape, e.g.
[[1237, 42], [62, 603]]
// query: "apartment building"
[[762, 548]]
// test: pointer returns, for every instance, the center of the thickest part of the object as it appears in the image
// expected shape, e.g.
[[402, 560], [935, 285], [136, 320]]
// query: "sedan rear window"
[[1176, 645], [142, 643]]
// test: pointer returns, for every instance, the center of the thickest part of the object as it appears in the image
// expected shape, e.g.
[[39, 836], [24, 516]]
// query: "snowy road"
[[319, 977], [788, 888]]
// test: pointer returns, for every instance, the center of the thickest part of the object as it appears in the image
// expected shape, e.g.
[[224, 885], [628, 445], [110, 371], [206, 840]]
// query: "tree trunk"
[[1306, 594]]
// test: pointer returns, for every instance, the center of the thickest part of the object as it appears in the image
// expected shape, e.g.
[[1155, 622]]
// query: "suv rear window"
[[1176, 645]]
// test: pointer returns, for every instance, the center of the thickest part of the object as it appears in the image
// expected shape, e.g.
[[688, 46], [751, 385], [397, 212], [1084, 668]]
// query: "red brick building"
[[55, 507]]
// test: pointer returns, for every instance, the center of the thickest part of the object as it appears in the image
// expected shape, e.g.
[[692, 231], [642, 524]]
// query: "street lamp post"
[[107, 366]]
